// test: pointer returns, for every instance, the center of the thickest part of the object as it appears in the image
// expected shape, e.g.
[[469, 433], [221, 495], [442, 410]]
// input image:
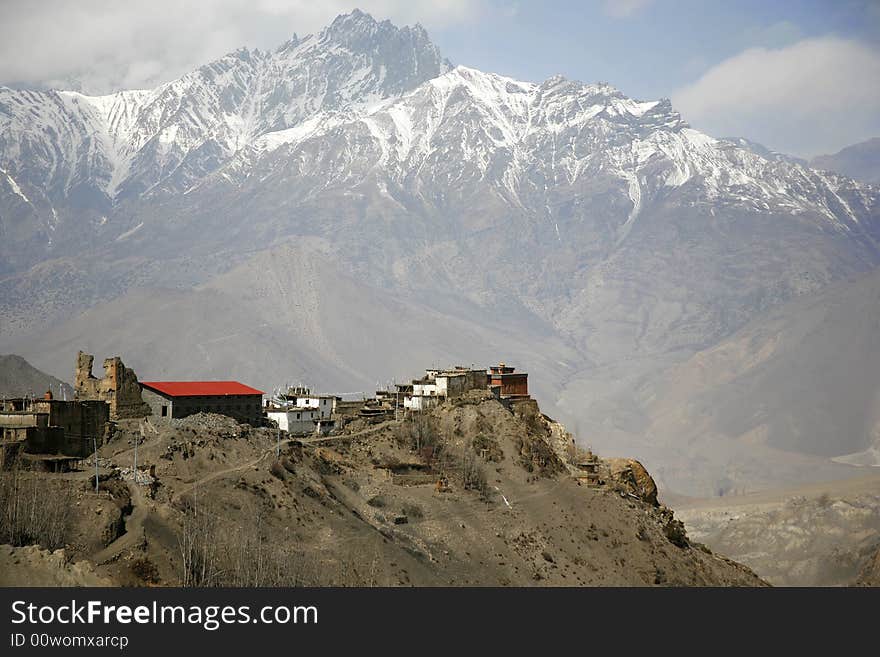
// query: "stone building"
[[511, 383], [438, 385], [457, 381], [51, 428], [176, 399], [118, 387]]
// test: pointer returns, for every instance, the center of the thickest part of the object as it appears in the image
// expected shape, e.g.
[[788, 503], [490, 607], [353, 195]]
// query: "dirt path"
[[226, 471], [134, 524], [362, 432], [254, 462], [134, 528]]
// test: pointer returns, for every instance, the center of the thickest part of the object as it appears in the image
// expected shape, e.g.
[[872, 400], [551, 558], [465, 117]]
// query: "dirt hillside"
[[468, 494]]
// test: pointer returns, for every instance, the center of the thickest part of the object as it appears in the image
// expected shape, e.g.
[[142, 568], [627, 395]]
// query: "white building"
[[443, 384], [302, 397], [425, 388], [421, 402], [295, 420], [324, 404]]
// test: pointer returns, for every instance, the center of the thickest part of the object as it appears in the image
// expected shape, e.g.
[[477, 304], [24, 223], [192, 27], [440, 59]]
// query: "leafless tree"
[[32, 510]]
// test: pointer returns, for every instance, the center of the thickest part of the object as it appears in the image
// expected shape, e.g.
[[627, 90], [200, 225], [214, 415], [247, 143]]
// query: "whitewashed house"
[[296, 421], [438, 385], [303, 398], [324, 404], [426, 393], [421, 402]]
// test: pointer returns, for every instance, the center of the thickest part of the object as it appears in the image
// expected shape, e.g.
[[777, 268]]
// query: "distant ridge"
[[19, 378], [860, 161]]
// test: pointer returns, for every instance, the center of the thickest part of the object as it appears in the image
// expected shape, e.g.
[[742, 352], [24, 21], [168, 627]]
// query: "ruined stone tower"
[[119, 387]]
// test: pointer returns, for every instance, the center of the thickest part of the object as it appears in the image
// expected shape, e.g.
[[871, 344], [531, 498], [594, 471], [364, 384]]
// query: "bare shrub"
[[377, 501], [536, 455], [534, 421], [32, 511], [422, 432], [216, 552], [278, 471], [487, 448], [198, 547], [145, 570], [473, 475]]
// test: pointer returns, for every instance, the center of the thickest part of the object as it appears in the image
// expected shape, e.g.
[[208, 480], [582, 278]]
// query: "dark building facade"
[[52, 426], [511, 382], [177, 399]]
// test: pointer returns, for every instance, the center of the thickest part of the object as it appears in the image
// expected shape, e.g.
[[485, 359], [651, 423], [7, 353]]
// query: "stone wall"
[[52, 426], [81, 421], [119, 387]]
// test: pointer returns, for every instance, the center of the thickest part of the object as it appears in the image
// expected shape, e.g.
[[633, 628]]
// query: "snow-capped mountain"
[[603, 228], [466, 127], [60, 149], [398, 111]]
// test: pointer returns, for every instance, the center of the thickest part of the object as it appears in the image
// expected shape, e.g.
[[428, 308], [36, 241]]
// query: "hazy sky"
[[800, 76]]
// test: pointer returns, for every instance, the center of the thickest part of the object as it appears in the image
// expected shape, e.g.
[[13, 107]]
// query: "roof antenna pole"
[[95, 443], [136, 441]]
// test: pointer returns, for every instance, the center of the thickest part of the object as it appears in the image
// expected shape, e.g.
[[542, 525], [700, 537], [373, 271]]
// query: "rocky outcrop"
[[633, 476], [119, 387]]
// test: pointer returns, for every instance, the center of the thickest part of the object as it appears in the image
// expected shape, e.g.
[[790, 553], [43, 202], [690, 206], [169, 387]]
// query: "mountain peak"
[[554, 81], [354, 20], [360, 32]]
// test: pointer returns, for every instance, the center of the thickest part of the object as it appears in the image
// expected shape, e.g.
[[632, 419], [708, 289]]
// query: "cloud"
[[774, 35], [816, 95], [624, 8], [107, 45]]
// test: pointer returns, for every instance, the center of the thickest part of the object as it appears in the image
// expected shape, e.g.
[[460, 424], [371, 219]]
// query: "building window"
[[164, 410]]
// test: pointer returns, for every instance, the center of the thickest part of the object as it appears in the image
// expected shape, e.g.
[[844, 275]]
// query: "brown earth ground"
[[468, 494]]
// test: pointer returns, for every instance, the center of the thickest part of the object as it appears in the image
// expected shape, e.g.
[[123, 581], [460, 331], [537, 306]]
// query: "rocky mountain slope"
[[215, 506], [69, 160], [803, 379], [491, 214], [18, 378], [870, 575], [817, 535], [860, 161]]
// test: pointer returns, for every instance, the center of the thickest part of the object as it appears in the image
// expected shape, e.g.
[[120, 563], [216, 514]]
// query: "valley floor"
[[822, 534]]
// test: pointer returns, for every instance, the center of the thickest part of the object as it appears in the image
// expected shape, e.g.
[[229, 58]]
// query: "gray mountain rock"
[[596, 239], [18, 378], [860, 161]]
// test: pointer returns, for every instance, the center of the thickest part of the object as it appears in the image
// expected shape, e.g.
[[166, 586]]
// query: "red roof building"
[[200, 388], [177, 399]]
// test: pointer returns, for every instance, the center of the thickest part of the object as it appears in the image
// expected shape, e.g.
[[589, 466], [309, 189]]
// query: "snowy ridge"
[[365, 102], [132, 142], [467, 125]]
